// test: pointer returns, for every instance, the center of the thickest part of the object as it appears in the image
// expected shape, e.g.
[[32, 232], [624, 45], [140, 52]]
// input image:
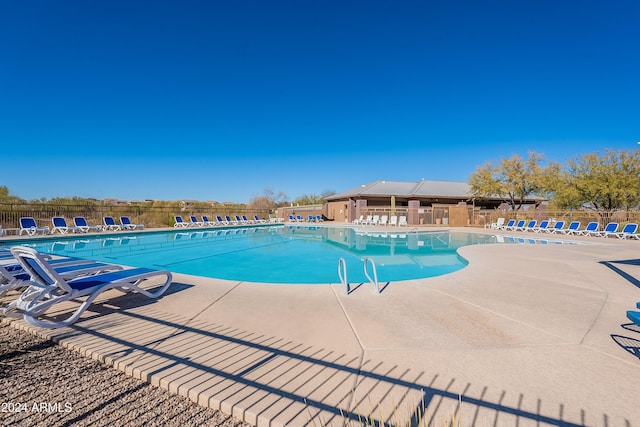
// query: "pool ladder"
[[342, 274]]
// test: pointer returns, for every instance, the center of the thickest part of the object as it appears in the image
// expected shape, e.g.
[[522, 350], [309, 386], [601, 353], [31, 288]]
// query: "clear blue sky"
[[218, 100]]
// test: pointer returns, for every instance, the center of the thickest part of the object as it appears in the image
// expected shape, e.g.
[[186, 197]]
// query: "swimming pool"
[[280, 254]]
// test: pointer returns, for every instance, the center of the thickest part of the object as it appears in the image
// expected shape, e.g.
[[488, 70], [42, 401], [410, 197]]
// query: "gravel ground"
[[43, 384]]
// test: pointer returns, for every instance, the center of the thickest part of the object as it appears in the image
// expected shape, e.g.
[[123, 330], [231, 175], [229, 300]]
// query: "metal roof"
[[423, 188]]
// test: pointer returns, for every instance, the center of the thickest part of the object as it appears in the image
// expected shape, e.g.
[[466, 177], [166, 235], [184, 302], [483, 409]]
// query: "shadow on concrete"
[[635, 262], [354, 287], [630, 345], [254, 375]]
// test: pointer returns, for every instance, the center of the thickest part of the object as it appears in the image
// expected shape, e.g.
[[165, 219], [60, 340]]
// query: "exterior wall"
[[338, 211]]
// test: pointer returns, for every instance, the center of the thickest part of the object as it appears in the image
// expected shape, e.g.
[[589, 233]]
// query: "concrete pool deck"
[[524, 335]]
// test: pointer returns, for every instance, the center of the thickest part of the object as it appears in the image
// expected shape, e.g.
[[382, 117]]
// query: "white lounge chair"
[[126, 224], [498, 224], [574, 228], [359, 220], [531, 225], [49, 288], [110, 224], [590, 230], [557, 228], [207, 222], [393, 221], [610, 229], [82, 225], [383, 220], [544, 226], [520, 226], [509, 225], [179, 222], [629, 231], [60, 225], [402, 221], [29, 226], [258, 220], [194, 222]]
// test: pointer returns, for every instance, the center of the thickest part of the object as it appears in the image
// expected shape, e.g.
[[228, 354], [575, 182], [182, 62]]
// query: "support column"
[[413, 216], [361, 206]]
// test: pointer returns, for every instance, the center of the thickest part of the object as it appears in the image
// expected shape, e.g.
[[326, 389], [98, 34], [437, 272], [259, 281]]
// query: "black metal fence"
[[150, 216]]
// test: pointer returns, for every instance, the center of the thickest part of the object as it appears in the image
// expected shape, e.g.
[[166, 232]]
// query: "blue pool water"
[[279, 254]]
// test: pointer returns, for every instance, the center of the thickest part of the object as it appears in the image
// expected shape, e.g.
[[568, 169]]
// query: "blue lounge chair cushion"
[[67, 270], [628, 231], [634, 316], [510, 224], [99, 280], [544, 225]]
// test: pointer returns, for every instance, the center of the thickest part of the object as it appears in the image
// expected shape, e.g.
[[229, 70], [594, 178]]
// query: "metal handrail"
[[342, 274], [373, 281]]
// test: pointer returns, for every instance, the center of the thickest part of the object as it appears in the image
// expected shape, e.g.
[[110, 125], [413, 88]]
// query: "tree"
[[313, 199], [514, 180], [267, 202], [562, 193], [7, 197], [605, 183]]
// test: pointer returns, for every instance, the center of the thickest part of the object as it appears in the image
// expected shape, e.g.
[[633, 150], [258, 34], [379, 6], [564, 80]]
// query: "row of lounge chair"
[[179, 222], [381, 220], [629, 231], [310, 218], [29, 226], [41, 282]]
